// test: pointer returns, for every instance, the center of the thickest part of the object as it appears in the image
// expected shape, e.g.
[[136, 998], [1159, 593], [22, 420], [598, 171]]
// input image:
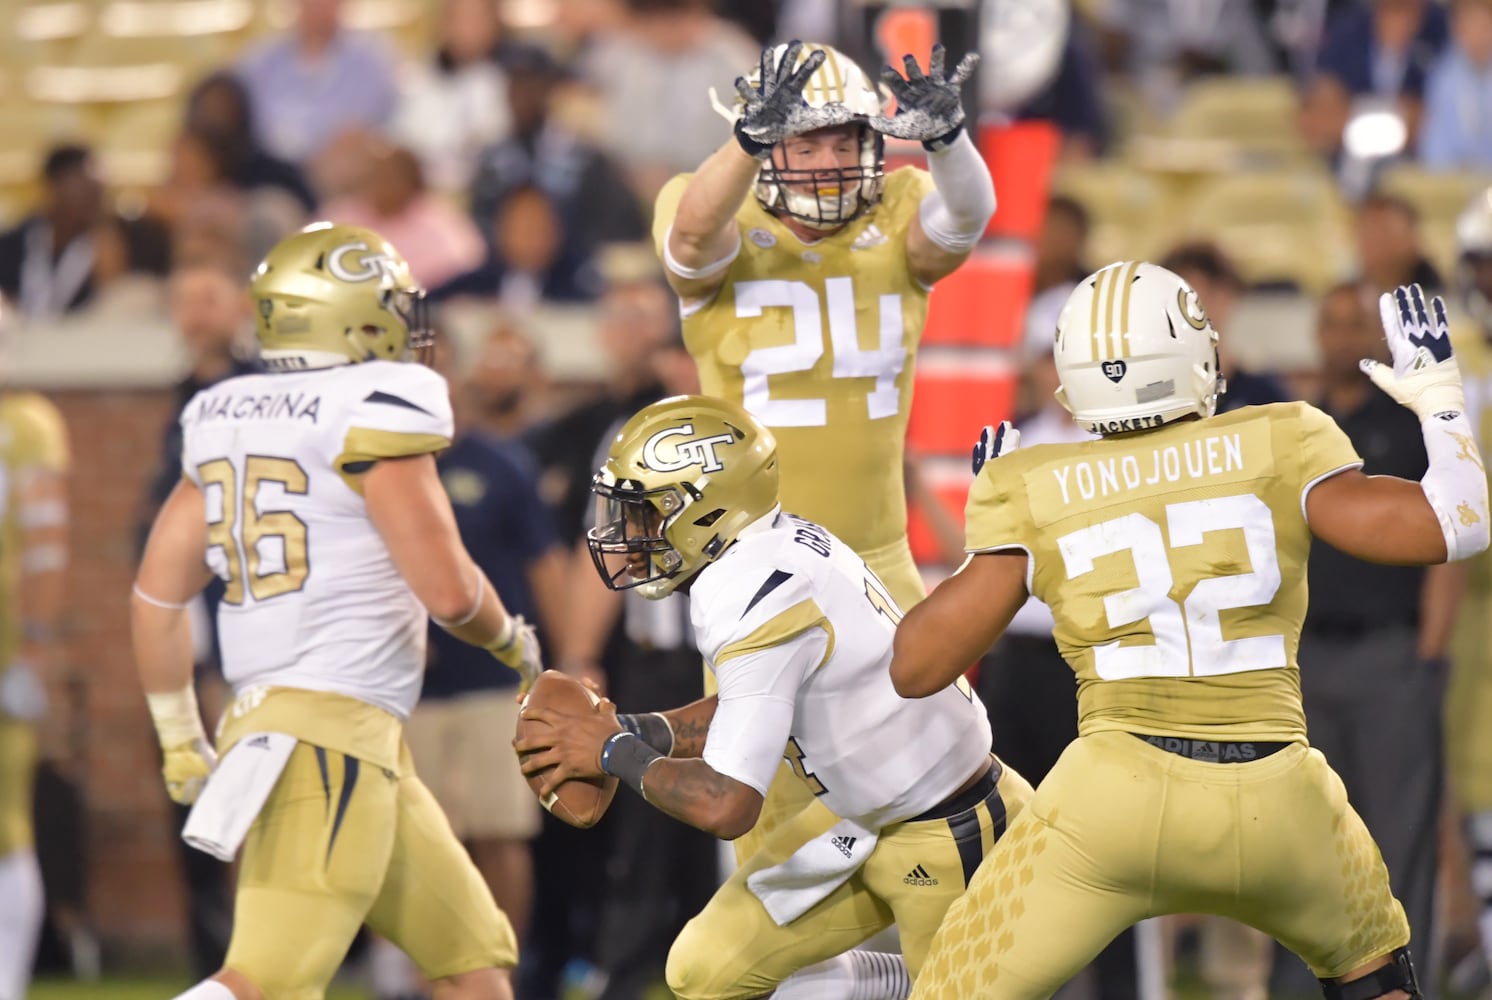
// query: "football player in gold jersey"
[[1172, 552], [803, 271], [33, 558], [1469, 704]]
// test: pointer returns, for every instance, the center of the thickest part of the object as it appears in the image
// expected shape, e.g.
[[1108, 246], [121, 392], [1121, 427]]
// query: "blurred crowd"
[[515, 166]]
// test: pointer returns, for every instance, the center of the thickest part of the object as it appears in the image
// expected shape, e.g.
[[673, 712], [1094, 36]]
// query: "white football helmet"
[[846, 95], [1135, 350], [1474, 259]]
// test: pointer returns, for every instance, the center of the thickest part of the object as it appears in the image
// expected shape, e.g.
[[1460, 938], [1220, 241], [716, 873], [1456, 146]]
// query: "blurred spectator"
[[455, 105], [500, 390], [589, 191], [1218, 285], [48, 263], [200, 187], [1072, 101], [218, 107], [1388, 245], [1379, 50], [460, 731], [1373, 648], [439, 241], [636, 316], [529, 261], [314, 83], [209, 307], [653, 79], [1456, 131], [1061, 255], [660, 872]]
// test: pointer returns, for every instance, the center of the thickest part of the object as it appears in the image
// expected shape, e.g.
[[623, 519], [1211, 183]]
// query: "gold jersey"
[[33, 438], [818, 340], [1174, 562]]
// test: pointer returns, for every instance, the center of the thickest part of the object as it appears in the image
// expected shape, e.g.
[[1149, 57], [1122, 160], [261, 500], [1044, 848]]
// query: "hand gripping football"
[[580, 801]]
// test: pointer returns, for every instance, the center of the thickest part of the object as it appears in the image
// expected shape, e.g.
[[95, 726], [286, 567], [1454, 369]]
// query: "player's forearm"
[[697, 794], [1440, 597], [690, 725], [485, 621], [161, 635], [955, 216], [704, 227]]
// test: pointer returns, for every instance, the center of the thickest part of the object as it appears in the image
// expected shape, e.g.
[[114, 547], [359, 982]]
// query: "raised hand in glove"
[[1424, 375], [994, 442], [773, 107], [928, 108], [518, 647]]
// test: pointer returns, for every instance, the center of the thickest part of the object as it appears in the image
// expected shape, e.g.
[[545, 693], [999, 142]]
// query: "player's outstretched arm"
[[1443, 517], [172, 572], [413, 515], [929, 109], [703, 238], [946, 634]]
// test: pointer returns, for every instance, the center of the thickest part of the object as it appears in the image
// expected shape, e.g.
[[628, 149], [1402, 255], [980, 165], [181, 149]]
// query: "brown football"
[[580, 801]]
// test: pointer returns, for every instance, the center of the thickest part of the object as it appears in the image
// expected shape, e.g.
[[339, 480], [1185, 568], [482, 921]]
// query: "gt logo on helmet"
[[700, 451], [366, 266]]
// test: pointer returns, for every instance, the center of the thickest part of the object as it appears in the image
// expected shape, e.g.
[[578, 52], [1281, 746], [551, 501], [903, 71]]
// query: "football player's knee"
[[694, 971], [1391, 980]]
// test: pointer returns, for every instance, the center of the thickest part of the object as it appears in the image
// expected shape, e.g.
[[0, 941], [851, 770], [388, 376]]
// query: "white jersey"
[[798, 632], [313, 600]]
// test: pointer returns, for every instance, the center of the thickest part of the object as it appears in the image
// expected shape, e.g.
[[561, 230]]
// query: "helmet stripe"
[[1098, 349], [1129, 280], [1110, 321]]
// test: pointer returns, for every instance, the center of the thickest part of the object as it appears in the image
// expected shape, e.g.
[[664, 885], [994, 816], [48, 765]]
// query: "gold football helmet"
[[682, 479], [335, 295]]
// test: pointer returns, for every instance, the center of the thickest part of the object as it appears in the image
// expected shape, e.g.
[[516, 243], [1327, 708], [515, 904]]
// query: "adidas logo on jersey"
[[846, 845], [872, 237], [919, 876], [261, 741]]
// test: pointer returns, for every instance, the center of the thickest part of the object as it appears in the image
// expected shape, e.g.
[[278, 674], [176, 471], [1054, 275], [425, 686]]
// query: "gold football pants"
[[1120, 831]]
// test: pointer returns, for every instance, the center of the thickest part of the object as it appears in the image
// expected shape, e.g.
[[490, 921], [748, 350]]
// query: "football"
[[580, 801]]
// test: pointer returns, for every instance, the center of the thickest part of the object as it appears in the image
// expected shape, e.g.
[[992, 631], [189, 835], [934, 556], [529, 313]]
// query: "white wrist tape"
[[954, 216], [176, 717], [1456, 484]]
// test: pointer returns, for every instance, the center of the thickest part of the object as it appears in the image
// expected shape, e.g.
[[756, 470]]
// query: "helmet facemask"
[[407, 304], [824, 198], [629, 544]]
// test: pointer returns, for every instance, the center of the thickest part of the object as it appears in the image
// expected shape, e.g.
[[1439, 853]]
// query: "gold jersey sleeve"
[[818, 341], [1174, 562]]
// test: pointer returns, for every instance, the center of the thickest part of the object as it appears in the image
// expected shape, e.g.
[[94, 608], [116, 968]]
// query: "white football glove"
[[518, 647], [994, 442], [1424, 376], [22, 695]]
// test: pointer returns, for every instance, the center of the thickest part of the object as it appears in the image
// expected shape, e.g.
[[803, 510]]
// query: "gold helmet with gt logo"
[[335, 295], [681, 480]]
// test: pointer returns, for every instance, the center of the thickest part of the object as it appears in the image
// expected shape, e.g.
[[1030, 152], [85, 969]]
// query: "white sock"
[[20, 920], [392, 972], [208, 989], [855, 975]]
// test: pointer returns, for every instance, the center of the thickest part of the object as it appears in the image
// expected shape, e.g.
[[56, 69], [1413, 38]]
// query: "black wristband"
[[943, 141], [653, 729], [755, 150], [628, 758]]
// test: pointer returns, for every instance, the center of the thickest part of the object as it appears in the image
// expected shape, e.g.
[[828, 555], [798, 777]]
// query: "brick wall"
[[134, 894]]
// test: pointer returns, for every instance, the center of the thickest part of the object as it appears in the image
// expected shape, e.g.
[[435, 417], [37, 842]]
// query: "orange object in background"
[[982, 304], [1020, 157]]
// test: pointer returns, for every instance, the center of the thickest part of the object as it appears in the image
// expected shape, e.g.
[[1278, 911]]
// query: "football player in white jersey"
[[311, 492], [797, 630]]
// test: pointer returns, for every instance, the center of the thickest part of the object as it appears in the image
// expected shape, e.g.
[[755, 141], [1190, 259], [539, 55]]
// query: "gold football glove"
[[518, 647], [189, 758]]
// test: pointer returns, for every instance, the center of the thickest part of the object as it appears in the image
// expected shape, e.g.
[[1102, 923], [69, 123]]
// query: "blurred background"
[[1276, 153]]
